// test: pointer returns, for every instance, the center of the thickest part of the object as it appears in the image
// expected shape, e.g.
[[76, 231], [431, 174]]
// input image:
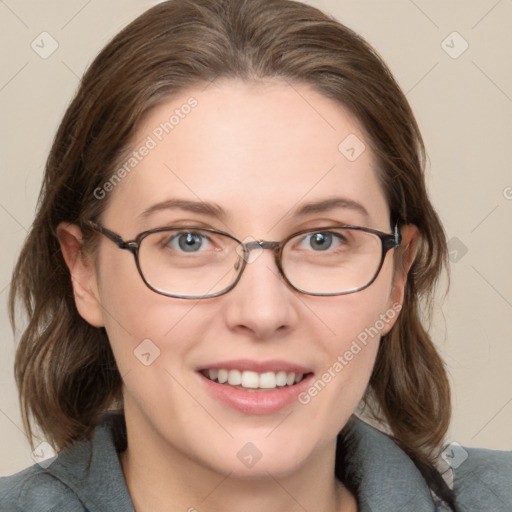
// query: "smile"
[[251, 380], [255, 387]]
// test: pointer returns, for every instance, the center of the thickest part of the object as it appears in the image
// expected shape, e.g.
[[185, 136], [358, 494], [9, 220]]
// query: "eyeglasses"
[[198, 263]]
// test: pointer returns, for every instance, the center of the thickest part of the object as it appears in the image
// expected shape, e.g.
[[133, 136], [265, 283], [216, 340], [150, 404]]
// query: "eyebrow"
[[214, 210], [331, 204], [203, 207]]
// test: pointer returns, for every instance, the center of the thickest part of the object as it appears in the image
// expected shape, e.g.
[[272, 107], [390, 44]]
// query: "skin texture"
[[259, 151]]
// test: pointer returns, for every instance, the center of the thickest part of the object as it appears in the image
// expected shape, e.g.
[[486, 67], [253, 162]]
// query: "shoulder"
[[482, 479], [86, 475], [34, 489], [384, 477]]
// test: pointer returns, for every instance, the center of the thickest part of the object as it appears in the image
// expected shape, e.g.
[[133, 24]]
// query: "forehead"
[[258, 150]]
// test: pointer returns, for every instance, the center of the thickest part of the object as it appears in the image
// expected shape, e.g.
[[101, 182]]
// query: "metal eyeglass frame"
[[388, 242]]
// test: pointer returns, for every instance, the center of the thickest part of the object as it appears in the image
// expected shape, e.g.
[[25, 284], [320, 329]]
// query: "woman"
[[264, 170]]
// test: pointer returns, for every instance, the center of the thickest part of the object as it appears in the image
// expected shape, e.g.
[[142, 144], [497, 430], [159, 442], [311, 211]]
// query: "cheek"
[[143, 327], [362, 317], [355, 324], [350, 350], [156, 325]]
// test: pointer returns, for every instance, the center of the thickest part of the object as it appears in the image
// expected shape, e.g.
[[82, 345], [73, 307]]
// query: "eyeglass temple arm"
[[111, 236], [397, 235], [393, 241]]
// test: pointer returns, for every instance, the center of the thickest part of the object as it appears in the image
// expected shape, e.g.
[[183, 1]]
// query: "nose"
[[261, 305]]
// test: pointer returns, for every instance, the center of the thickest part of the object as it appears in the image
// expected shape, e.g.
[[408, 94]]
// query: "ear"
[[410, 240], [83, 274]]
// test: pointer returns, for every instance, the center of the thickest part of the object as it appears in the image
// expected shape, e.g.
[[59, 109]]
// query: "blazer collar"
[[382, 475], [91, 469]]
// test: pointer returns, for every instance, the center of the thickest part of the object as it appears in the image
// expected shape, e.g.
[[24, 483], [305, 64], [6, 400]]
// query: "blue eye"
[[321, 241], [189, 241]]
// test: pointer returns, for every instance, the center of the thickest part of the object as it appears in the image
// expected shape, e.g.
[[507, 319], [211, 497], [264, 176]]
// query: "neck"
[[161, 478]]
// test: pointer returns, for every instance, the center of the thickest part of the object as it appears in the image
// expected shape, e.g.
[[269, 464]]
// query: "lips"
[[255, 387]]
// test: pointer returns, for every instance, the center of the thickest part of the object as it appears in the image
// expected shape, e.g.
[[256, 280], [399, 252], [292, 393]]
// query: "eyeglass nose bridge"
[[263, 244], [259, 246]]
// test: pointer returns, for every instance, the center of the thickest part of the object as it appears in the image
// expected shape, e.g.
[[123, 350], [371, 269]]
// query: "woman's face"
[[259, 162]]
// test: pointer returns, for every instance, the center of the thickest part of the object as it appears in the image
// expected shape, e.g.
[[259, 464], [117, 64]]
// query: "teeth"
[[234, 378], [254, 380], [268, 380], [281, 378], [250, 380]]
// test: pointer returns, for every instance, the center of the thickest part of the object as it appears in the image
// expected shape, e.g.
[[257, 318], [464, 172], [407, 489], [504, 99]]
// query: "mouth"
[[248, 380], [253, 387]]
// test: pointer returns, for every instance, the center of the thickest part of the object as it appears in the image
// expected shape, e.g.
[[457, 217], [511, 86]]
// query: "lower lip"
[[256, 402]]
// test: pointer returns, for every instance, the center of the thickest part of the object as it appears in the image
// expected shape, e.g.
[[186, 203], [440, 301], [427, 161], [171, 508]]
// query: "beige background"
[[463, 102]]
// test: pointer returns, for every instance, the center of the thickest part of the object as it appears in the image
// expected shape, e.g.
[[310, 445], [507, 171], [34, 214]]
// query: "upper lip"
[[273, 365]]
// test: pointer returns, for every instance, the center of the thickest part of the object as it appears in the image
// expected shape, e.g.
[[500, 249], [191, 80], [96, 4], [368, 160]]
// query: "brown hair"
[[65, 370]]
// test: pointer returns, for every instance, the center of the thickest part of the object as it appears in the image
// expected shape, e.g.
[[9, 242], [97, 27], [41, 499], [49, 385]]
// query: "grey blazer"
[[87, 477]]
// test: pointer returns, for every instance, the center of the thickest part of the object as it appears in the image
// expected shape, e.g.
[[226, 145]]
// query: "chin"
[[279, 468], [256, 457]]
